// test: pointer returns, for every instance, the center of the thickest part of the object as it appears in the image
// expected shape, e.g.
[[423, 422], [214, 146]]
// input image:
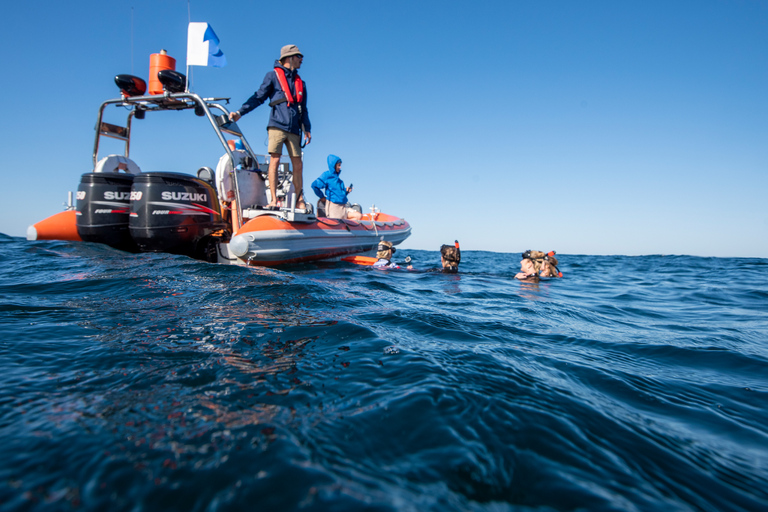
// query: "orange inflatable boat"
[[216, 215]]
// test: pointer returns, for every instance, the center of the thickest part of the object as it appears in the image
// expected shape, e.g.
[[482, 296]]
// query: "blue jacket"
[[330, 183], [284, 117]]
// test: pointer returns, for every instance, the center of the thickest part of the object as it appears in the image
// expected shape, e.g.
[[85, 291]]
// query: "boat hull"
[[270, 241]]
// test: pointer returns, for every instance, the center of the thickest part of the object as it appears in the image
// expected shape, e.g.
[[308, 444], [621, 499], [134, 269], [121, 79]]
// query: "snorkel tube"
[[458, 254]]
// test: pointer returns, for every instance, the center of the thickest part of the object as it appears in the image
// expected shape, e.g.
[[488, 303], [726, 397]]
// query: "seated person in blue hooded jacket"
[[332, 192]]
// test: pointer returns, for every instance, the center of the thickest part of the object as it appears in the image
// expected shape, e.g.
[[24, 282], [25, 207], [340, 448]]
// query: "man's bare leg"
[[274, 161], [298, 181]]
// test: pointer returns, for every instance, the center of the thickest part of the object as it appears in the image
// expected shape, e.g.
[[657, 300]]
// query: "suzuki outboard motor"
[[103, 208], [172, 212]]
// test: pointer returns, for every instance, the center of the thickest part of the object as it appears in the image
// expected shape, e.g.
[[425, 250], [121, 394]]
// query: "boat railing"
[[203, 107], [218, 117], [287, 214]]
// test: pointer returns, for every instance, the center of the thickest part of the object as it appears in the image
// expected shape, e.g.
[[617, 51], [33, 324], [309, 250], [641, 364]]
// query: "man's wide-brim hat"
[[289, 50]]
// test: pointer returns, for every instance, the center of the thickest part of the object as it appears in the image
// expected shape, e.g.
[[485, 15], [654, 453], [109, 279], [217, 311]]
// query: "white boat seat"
[[117, 163], [250, 183]]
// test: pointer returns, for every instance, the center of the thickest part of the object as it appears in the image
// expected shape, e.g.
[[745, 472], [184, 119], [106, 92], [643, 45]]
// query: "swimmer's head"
[[527, 266], [385, 250], [551, 260], [549, 266], [450, 257], [533, 255]]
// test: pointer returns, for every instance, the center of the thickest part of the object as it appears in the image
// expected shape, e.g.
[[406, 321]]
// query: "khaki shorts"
[[335, 210], [278, 137]]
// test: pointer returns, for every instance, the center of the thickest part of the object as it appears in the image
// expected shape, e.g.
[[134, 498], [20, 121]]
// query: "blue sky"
[[592, 127]]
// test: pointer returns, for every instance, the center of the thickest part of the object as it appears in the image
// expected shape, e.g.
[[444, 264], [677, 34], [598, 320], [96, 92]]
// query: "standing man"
[[289, 116]]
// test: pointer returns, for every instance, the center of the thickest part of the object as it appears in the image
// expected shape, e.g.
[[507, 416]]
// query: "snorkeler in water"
[[384, 253], [536, 265], [450, 257], [549, 266]]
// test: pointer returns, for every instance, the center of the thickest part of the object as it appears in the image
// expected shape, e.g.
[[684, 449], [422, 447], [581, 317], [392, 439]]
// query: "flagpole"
[[189, 20]]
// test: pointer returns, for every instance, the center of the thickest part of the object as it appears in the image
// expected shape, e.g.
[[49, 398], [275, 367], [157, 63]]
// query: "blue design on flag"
[[203, 46], [216, 57]]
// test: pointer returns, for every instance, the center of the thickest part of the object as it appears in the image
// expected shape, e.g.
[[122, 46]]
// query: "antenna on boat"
[[132, 41]]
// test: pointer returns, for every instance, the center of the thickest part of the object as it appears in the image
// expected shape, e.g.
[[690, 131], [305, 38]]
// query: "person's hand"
[[307, 138], [234, 116], [349, 189]]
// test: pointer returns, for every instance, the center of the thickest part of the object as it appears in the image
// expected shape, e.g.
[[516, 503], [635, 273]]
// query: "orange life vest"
[[297, 84]]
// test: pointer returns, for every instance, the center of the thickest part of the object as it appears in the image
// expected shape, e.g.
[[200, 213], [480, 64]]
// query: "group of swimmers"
[[450, 257], [534, 266]]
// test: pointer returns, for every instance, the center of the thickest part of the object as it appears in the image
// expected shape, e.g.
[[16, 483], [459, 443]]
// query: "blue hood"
[[332, 160], [329, 185]]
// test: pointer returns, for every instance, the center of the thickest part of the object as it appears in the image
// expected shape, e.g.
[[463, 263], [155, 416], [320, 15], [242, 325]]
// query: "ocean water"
[[155, 382]]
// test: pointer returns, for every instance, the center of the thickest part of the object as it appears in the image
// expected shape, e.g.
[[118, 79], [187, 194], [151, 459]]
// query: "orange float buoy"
[[361, 260], [60, 226], [159, 62]]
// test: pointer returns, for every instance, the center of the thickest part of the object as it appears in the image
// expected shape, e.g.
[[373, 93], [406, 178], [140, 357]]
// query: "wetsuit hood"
[[332, 160]]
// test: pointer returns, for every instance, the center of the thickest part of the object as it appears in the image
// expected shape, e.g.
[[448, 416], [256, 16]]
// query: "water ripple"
[[144, 381]]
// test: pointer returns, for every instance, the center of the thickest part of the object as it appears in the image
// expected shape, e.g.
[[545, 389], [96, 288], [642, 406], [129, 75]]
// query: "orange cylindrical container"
[[159, 62]]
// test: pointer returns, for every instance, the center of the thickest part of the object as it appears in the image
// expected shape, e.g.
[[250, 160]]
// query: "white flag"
[[203, 47]]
